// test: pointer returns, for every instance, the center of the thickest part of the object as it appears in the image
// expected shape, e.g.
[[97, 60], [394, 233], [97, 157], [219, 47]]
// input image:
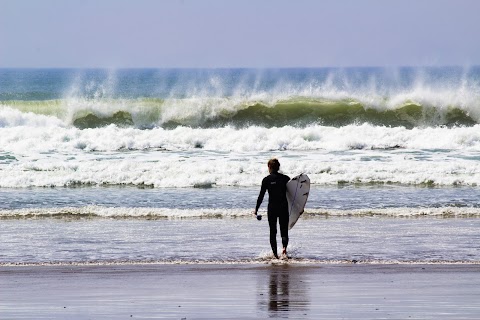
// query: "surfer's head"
[[273, 165]]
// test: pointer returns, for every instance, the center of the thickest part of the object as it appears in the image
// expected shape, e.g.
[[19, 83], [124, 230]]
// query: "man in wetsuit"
[[276, 184]]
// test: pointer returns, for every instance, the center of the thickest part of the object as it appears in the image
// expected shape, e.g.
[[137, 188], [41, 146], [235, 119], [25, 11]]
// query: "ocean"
[[164, 166]]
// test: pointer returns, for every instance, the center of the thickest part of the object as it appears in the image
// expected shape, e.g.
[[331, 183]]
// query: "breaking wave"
[[220, 112], [206, 98], [99, 212]]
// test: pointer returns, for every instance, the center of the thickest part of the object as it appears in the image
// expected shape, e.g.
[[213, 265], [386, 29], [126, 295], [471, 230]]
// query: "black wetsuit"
[[276, 184]]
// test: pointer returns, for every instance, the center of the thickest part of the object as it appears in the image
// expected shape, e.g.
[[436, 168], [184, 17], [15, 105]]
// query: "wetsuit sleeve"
[[262, 194]]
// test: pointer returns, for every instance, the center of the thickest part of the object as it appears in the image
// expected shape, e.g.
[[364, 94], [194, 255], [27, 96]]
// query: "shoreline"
[[303, 262], [257, 291]]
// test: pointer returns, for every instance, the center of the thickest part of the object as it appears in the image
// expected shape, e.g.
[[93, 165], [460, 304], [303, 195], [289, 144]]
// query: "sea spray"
[[409, 97]]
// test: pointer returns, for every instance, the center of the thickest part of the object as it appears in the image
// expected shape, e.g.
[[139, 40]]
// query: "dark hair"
[[274, 164]]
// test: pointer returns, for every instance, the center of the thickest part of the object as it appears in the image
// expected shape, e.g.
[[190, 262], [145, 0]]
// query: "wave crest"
[[219, 112]]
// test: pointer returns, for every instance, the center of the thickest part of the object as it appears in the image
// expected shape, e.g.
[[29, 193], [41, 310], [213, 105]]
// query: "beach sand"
[[350, 291]]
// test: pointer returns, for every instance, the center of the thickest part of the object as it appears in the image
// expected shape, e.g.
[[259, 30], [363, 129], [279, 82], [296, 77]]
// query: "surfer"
[[276, 184]]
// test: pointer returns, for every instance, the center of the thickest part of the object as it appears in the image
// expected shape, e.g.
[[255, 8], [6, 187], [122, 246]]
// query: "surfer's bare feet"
[[276, 255], [284, 253]]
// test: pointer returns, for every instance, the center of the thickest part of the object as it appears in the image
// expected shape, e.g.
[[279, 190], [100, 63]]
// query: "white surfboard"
[[297, 194]]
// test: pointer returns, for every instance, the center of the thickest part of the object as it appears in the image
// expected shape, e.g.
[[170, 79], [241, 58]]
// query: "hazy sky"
[[243, 33]]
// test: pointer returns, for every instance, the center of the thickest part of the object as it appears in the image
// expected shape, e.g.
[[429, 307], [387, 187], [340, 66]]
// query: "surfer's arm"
[[261, 195]]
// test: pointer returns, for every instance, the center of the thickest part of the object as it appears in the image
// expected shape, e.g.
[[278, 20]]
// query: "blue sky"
[[247, 33]]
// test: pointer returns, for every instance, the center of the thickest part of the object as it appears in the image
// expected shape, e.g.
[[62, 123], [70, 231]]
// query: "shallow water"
[[240, 240], [241, 198]]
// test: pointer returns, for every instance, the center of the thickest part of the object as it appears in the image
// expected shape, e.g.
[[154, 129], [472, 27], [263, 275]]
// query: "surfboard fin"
[[301, 174]]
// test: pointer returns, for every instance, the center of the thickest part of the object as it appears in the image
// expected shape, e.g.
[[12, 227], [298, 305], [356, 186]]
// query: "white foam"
[[204, 213], [123, 213], [10, 117], [185, 157], [173, 171], [228, 139]]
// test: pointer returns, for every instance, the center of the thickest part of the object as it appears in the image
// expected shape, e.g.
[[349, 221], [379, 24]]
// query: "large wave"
[[406, 97], [220, 112]]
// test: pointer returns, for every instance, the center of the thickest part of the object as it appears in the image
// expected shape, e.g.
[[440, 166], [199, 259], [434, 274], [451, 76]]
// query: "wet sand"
[[240, 292]]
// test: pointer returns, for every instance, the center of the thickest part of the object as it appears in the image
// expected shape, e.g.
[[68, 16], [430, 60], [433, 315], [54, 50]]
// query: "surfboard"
[[297, 194]]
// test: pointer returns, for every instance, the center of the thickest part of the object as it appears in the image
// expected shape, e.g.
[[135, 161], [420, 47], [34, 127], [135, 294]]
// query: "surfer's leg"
[[283, 219], [272, 222]]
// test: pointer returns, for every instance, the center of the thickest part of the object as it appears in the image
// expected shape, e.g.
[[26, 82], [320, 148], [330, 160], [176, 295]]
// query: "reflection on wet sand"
[[287, 292]]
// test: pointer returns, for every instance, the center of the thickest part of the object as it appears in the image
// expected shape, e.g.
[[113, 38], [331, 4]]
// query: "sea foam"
[[192, 157], [230, 139], [101, 212]]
